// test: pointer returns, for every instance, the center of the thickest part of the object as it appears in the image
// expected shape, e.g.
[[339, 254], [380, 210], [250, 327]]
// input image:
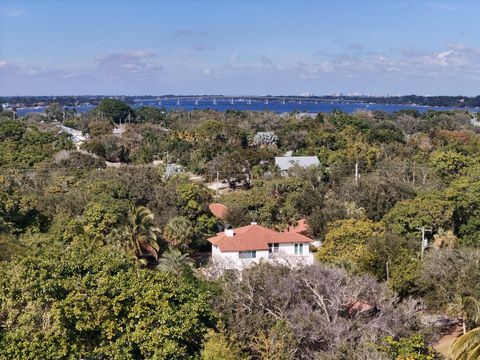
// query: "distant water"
[[274, 106]]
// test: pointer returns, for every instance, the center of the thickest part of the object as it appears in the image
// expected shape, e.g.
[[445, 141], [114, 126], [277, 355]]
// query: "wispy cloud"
[[354, 47], [16, 69], [455, 60], [136, 62], [12, 12], [202, 47], [442, 6], [189, 33]]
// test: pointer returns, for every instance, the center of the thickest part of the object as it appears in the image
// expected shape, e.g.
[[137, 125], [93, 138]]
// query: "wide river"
[[274, 106]]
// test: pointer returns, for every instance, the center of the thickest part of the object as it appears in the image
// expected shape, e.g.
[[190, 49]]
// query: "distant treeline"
[[454, 101], [451, 101]]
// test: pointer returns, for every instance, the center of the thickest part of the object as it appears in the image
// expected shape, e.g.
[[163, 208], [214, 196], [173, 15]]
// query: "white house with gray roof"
[[286, 162]]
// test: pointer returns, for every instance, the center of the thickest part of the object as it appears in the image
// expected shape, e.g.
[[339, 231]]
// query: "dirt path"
[[443, 345]]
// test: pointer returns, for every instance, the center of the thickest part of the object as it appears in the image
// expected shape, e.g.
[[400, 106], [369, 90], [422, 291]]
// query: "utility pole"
[[216, 185], [356, 173], [424, 240]]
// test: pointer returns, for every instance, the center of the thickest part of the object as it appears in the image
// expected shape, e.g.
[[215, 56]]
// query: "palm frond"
[[464, 345]]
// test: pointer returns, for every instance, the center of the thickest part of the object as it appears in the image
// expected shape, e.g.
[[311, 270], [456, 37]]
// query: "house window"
[[298, 249], [247, 254], [273, 248]]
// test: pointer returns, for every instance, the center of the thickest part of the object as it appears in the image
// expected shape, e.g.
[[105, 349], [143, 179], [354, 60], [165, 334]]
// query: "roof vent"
[[229, 232]]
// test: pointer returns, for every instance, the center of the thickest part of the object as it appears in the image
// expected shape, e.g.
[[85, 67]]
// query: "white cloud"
[[137, 61], [458, 60]]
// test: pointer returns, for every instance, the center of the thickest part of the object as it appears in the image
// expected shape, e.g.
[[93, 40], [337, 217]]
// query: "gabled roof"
[[286, 162], [218, 210], [255, 237]]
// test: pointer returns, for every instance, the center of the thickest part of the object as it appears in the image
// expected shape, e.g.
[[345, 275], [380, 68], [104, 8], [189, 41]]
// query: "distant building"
[[306, 94], [286, 162], [238, 248]]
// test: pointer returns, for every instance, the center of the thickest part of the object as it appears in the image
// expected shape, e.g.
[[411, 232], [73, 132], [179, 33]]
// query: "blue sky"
[[53, 47]]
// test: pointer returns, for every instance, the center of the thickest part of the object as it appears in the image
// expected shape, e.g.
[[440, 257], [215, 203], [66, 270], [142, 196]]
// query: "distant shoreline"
[[415, 101], [223, 105]]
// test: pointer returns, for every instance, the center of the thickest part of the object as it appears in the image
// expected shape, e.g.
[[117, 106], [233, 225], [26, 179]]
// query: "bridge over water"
[[214, 99]]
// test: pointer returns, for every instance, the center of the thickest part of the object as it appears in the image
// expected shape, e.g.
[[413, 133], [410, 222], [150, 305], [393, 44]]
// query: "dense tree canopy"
[[92, 302], [114, 110], [103, 250]]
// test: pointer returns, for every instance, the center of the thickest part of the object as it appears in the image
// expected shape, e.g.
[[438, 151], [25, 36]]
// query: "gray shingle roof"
[[286, 162]]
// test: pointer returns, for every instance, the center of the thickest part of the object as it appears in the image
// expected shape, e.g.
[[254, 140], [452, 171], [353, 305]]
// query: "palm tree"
[[138, 236], [444, 239], [466, 347], [173, 261], [179, 232]]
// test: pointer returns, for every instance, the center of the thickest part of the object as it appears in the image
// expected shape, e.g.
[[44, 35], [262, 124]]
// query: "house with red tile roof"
[[240, 247]]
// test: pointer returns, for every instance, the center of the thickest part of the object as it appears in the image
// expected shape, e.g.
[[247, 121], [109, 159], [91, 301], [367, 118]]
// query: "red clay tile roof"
[[218, 210], [300, 228], [254, 237]]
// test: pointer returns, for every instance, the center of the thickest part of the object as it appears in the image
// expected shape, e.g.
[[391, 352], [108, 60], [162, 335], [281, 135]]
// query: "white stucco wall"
[[231, 259], [289, 249], [285, 255]]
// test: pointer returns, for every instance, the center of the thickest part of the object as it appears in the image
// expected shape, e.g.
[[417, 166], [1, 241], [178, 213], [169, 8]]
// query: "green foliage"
[[138, 236], [93, 303], [400, 256], [173, 261], [18, 211], [412, 347], [377, 194], [98, 128], [95, 146], [27, 146], [179, 232], [345, 243], [9, 247], [100, 216], [274, 203], [114, 110], [196, 221], [416, 170], [464, 193], [219, 347], [430, 210], [448, 164], [149, 114]]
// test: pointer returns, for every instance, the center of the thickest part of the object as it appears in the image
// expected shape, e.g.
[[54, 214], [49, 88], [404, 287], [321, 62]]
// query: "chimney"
[[229, 232], [253, 223]]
